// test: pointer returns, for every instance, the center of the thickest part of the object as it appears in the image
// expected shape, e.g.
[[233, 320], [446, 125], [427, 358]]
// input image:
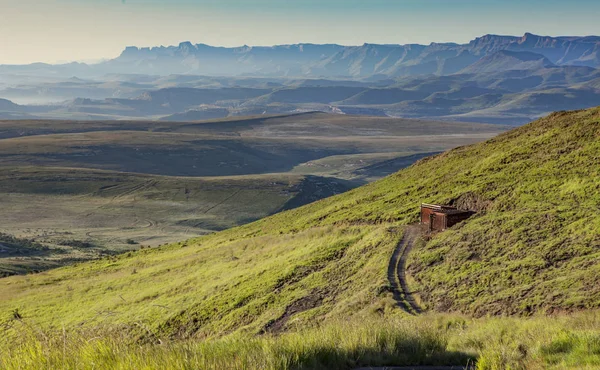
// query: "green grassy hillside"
[[535, 238], [533, 247]]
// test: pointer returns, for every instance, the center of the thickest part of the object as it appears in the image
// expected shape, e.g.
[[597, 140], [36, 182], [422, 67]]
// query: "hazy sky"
[[65, 30]]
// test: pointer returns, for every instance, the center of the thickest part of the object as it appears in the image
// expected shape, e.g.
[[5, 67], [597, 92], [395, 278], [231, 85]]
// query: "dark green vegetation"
[[11, 246], [532, 249], [87, 189]]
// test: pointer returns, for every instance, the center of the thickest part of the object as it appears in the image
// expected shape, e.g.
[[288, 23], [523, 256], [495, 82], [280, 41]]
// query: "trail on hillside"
[[229, 197], [397, 271]]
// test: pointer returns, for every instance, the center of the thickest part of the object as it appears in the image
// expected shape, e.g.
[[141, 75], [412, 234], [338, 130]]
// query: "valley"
[[89, 189]]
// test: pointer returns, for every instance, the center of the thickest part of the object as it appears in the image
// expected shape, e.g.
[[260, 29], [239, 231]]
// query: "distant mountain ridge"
[[331, 60], [492, 79], [356, 61]]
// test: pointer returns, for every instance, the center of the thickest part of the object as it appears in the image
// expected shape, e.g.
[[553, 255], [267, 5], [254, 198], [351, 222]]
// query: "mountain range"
[[492, 79], [368, 60]]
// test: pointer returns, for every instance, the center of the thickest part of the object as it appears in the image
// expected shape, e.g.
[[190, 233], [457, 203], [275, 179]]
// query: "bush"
[[77, 244]]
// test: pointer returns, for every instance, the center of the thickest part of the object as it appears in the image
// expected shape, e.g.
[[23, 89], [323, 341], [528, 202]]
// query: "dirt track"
[[397, 271]]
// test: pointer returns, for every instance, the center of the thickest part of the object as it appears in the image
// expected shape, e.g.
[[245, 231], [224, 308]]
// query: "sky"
[[89, 30]]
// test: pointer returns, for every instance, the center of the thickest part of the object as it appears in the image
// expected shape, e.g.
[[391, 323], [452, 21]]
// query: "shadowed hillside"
[[227, 147]]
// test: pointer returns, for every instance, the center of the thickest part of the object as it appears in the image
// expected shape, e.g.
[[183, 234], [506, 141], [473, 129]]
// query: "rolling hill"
[[531, 248], [227, 147], [482, 92], [309, 288]]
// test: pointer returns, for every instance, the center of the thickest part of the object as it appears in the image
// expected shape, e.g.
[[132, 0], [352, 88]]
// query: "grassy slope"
[[115, 212], [537, 240], [214, 287], [537, 245]]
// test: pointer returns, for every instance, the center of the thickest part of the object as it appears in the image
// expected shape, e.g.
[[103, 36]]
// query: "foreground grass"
[[334, 347], [565, 341], [559, 342]]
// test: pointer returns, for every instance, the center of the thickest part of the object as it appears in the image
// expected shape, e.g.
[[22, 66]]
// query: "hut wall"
[[425, 212]]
